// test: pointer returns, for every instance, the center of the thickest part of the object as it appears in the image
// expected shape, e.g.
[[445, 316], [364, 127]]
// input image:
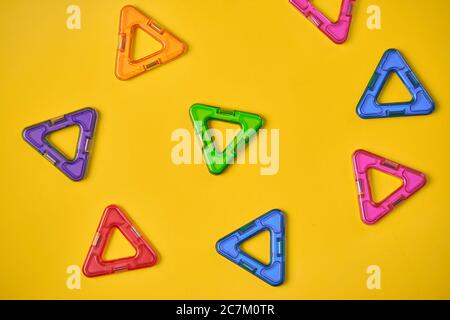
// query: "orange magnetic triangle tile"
[[131, 19]]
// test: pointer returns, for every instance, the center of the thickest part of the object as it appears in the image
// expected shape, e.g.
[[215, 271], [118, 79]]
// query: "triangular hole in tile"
[[143, 45], [118, 246], [258, 247], [65, 141], [330, 8], [382, 184], [221, 129], [394, 90]]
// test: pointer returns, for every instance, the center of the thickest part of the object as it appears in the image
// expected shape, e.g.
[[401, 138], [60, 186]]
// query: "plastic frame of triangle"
[[131, 19], [371, 211], [113, 217], [393, 61], [335, 31], [274, 222], [217, 161], [36, 136]]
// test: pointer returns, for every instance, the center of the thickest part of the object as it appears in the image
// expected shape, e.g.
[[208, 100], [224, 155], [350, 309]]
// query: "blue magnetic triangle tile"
[[36, 136], [272, 221], [392, 61]]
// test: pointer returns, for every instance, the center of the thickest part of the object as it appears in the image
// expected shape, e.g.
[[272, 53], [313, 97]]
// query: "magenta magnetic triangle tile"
[[372, 211], [337, 31]]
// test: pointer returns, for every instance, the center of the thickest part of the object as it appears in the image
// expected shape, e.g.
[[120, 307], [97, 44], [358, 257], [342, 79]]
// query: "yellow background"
[[257, 56]]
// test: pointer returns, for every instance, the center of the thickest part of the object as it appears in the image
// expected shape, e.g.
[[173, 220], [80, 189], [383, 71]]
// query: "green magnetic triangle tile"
[[217, 161]]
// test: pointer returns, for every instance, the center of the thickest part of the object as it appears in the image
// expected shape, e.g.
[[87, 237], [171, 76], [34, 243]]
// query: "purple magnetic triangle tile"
[[36, 136]]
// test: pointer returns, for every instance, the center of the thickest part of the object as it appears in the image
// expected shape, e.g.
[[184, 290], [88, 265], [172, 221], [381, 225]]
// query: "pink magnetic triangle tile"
[[371, 211], [336, 31]]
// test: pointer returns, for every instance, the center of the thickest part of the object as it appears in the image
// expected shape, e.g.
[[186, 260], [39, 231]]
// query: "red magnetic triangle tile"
[[94, 264]]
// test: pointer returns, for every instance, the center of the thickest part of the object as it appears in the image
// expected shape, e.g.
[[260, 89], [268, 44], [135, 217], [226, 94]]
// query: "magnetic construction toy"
[[131, 19], [94, 264], [392, 61], [217, 161], [36, 136], [371, 211], [336, 31], [274, 222]]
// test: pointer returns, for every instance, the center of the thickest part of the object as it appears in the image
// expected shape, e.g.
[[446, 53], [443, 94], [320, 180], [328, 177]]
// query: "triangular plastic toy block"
[[217, 161], [393, 61], [371, 211], [274, 272], [336, 31], [131, 19], [94, 264], [36, 135]]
